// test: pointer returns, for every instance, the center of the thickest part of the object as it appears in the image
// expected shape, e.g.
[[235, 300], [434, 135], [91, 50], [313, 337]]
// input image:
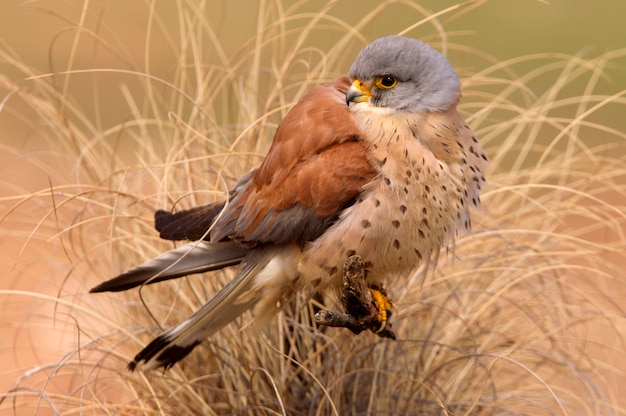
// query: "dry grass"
[[523, 317]]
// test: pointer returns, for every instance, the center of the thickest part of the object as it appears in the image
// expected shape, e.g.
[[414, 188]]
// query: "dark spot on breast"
[[402, 208], [417, 253], [330, 270], [366, 224], [396, 244], [395, 223]]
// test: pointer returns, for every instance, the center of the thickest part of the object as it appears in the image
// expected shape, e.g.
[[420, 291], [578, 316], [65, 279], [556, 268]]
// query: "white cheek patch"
[[368, 108]]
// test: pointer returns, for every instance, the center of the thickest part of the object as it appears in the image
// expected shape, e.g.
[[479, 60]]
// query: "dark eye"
[[386, 82]]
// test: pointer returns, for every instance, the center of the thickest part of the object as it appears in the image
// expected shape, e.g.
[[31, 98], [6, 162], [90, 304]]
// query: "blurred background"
[[107, 45]]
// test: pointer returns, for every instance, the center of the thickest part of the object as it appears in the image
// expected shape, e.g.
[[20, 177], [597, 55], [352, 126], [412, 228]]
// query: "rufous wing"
[[316, 166]]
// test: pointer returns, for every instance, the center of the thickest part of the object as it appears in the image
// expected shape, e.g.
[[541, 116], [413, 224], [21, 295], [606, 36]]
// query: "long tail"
[[196, 257], [230, 302]]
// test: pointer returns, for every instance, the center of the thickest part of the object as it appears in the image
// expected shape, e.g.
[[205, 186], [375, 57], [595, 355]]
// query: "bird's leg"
[[383, 305], [366, 307]]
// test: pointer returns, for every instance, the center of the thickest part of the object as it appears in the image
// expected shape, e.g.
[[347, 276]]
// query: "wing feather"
[[317, 165], [191, 224]]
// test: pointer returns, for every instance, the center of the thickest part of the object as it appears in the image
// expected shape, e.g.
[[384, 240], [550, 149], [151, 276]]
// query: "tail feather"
[[196, 257], [230, 302], [191, 224]]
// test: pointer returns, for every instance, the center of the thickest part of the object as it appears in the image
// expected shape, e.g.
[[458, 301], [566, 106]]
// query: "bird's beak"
[[358, 92]]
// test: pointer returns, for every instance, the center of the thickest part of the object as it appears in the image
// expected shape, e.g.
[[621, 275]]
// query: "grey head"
[[424, 79]]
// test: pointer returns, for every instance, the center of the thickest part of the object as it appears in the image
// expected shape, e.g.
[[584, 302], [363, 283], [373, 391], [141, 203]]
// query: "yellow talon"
[[383, 304]]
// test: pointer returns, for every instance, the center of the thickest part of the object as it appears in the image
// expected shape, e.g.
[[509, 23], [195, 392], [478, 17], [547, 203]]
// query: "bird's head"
[[403, 74]]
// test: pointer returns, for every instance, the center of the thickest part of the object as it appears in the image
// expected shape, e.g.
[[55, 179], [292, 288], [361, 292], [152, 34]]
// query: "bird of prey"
[[379, 164]]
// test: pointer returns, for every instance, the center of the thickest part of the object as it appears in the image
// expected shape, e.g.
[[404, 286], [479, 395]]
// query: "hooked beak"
[[358, 92]]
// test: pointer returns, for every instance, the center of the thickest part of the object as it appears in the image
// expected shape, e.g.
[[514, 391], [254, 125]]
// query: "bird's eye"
[[386, 82]]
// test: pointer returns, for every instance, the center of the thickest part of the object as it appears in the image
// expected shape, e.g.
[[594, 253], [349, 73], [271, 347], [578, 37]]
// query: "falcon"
[[379, 165]]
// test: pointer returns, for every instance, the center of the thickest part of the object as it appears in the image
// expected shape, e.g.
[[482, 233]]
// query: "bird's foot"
[[383, 305], [366, 307]]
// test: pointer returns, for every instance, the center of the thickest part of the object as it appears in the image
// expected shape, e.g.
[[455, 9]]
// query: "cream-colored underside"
[[409, 211], [406, 214]]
